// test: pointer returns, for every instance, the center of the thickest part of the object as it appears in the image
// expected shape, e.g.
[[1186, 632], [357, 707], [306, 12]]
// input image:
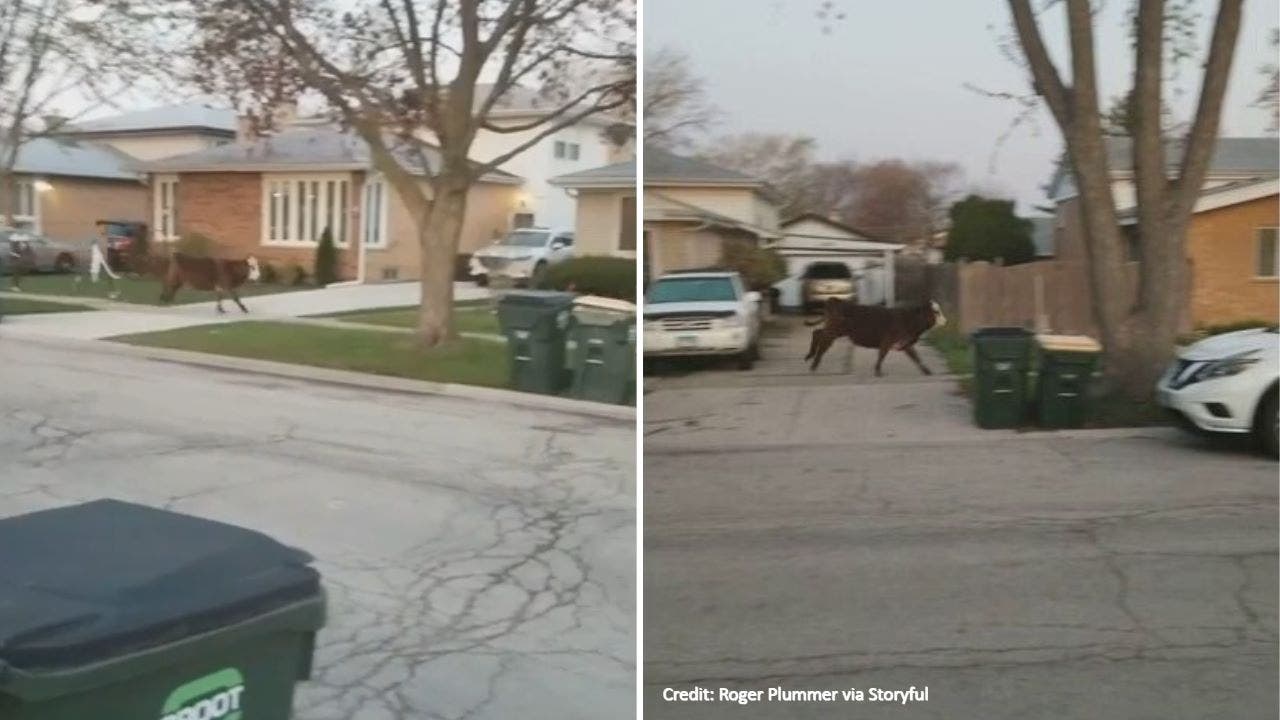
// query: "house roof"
[[72, 158], [621, 174], [835, 224], [666, 168], [309, 149], [188, 116], [1232, 157], [1224, 195], [684, 211]]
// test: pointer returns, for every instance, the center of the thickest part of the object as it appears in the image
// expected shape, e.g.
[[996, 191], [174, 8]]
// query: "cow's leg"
[[884, 350], [218, 290], [813, 342], [822, 339], [236, 296], [910, 350]]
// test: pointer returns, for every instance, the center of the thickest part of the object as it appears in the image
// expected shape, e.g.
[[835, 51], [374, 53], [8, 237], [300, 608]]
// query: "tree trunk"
[[438, 240]]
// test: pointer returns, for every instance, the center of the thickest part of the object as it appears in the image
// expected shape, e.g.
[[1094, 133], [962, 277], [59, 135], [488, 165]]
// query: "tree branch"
[[1048, 82]]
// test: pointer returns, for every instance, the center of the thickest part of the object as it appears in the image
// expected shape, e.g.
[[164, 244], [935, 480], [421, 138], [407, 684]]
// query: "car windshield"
[[828, 271], [526, 238], [694, 289]]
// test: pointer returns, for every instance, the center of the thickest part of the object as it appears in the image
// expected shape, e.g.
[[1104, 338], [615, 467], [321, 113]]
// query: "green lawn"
[[24, 306], [144, 291], [469, 362], [473, 316], [1108, 410]]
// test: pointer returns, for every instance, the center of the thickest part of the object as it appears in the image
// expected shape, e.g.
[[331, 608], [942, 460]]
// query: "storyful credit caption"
[[777, 694]]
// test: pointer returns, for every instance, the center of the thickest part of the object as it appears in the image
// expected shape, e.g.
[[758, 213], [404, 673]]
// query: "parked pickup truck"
[[702, 313]]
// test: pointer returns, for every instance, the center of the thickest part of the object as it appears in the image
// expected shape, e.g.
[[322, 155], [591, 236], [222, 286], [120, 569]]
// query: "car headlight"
[[1227, 367], [1208, 370]]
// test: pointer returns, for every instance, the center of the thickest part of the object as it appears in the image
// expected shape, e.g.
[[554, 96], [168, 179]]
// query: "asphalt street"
[[839, 531], [479, 558]]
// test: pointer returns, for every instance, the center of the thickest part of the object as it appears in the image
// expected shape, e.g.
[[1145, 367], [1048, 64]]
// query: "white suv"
[[702, 313], [523, 255], [1227, 384]]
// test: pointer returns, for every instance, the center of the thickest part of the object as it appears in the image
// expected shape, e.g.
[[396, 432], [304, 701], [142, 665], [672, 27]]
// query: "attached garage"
[[812, 242]]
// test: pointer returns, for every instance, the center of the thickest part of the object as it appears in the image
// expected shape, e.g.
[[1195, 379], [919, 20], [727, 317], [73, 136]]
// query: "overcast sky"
[[888, 79]]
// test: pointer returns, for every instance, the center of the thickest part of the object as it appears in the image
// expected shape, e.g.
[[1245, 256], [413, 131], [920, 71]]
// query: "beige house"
[[605, 217], [63, 187], [692, 208], [273, 197]]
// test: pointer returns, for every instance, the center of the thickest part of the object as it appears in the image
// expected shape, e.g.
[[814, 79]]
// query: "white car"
[[523, 255], [702, 313], [1227, 384]]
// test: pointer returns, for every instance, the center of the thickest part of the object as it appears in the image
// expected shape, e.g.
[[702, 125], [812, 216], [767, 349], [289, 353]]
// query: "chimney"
[[53, 122]]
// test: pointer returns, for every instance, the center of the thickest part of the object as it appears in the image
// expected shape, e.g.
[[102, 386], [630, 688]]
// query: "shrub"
[[195, 245], [270, 276], [594, 275], [760, 267], [297, 275], [326, 266]]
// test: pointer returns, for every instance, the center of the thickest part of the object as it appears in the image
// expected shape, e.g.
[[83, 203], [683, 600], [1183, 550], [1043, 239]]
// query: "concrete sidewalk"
[[116, 318]]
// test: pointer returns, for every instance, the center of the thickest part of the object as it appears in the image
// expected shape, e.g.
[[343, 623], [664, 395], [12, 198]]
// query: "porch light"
[[42, 186]]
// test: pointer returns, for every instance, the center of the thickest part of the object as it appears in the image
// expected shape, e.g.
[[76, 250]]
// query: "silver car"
[[48, 255]]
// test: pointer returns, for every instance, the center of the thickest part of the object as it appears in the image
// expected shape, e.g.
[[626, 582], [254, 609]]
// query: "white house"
[[576, 148], [811, 238]]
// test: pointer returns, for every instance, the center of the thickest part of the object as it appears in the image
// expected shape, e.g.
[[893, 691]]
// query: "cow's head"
[[254, 271], [936, 311]]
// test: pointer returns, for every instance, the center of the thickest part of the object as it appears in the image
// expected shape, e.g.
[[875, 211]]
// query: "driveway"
[[837, 532], [479, 557], [123, 319]]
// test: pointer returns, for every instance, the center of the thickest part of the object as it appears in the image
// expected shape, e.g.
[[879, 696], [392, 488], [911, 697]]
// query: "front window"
[[567, 150], [298, 209], [23, 206], [166, 204], [526, 238], [693, 289], [375, 214], [1268, 258]]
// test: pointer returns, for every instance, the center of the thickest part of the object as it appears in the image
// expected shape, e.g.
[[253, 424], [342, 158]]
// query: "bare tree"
[[785, 161], [417, 80], [676, 108], [1269, 96], [59, 60], [1138, 330]]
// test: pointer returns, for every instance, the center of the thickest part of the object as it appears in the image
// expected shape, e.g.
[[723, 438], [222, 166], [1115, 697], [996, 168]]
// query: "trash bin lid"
[[596, 302], [106, 578], [536, 297], [1068, 343], [1001, 332]]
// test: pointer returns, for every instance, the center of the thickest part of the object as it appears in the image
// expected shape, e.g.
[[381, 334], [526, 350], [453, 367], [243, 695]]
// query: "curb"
[[347, 378]]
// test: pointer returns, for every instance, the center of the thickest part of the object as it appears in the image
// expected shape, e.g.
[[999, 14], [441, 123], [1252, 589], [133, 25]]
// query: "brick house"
[[1231, 228], [274, 196], [1231, 245], [63, 187]]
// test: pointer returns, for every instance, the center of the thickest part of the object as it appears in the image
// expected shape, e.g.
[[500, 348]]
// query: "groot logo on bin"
[[213, 697]]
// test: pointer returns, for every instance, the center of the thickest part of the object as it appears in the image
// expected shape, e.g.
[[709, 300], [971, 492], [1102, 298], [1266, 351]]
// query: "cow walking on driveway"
[[204, 273], [874, 326]]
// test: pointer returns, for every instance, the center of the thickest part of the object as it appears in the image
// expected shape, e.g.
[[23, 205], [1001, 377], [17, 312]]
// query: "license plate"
[[687, 341]]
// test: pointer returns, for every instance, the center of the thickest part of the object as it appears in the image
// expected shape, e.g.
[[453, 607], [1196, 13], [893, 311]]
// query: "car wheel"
[[482, 280], [747, 358], [1266, 427], [64, 264], [538, 275]]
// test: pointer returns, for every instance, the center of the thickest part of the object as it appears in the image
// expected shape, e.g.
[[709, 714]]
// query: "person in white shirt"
[[98, 265]]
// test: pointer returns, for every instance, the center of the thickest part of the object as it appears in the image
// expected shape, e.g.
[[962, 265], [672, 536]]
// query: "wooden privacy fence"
[[1046, 296]]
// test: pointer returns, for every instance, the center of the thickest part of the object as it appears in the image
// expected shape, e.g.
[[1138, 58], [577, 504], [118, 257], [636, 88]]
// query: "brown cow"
[[874, 326], [204, 273]]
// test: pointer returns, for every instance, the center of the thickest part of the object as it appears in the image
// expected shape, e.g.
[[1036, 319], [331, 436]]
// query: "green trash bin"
[[1001, 358], [114, 610], [1067, 363], [602, 350], [536, 324]]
